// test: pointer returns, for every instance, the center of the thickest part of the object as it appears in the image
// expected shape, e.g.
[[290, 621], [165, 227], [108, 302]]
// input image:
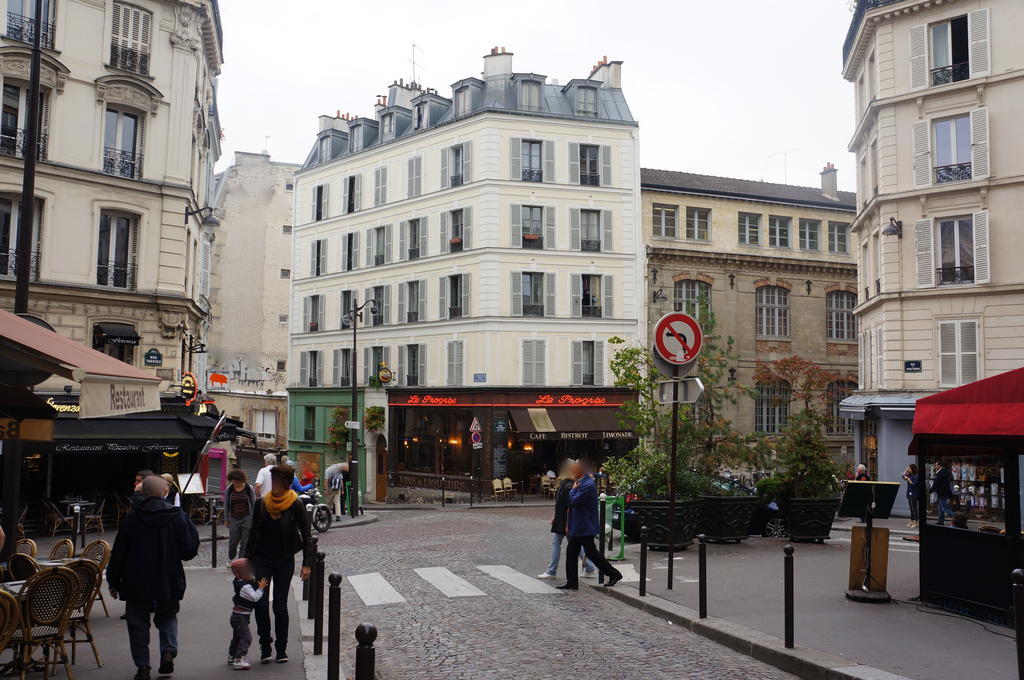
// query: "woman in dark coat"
[[558, 529]]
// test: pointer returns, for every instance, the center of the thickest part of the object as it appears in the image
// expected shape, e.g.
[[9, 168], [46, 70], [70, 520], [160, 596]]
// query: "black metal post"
[[442, 492], [643, 561], [788, 577], [334, 628], [311, 599], [76, 524], [28, 184], [1017, 576], [672, 478], [11, 494], [318, 612], [305, 590], [472, 485], [353, 501], [366, 659], [213, 533], [702, 575], [600, 541]]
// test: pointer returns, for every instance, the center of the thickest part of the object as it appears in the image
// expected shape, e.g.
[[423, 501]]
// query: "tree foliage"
[[337, 433]]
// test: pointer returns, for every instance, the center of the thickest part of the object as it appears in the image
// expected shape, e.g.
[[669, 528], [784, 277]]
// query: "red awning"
[[993, 407]]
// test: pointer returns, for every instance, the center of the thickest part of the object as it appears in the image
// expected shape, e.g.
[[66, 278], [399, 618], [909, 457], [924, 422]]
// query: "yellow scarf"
[[278, 504]]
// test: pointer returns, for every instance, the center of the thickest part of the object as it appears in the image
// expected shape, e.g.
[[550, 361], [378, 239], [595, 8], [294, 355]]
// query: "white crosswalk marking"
[[629, 572], [516, 579], [373, 589], [448, 583]]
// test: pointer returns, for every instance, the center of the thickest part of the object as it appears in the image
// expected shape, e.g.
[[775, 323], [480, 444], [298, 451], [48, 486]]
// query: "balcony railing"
[[455, 312], [122, 163], [587, 379], [946, 275], [456, 180], [377, 319], [533, 310], [591, 245], [414, 253], [590, 179], [591, 311], [958, 172], [412, 317], [533, 175], [23, 29], [534, 241], [128, 59], [455, 245], [951, 74], [116, 275], [378, 260], [9, 265], [878, 286], [858, 16], [344, 381], [412, 380], [309, 434], [12, 143], [313, 327]]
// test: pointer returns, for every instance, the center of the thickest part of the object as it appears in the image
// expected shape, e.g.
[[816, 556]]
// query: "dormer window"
[[422, 120], [462, 102], [529, 95], [388, 125], [355, 140], [586, 102], [325, 149]]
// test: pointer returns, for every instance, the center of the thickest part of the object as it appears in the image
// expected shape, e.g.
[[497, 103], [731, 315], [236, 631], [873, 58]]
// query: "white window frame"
[[840, 322], [809, 227], [772, 312], [779, 228], [749, 224], [698, 223], [958, 352], [660, 212], [771, 408]]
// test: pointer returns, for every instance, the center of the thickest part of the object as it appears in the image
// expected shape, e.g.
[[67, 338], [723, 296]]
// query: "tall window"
[[10, 224], [115, 264], [837, 237], [319, 211], [839, 317], [379, 245], [771, 408], [355, 138], [21, 22], [698, 222], [318, 257], [129, 38], [533, 361], [533, 169], [388, 126], [692, 297], [587, 363], [455, 301], [13, 118], [313, 313], [414, 295], [311, 369], [324, 149], [809, 230], [749, 227], [958, 352], [456, 236], [956, 250], [590, 230], [342, 372], [457, 156], [415, 238], [380, 185], [773, 312], [529, 95], [421, 116], [835, 393], [264, 423], [412, 365], [665, 220], [950, 51], [586, 102], [462, 102], [122, 147], [381, 295], [346, 308], [350, 251], [533, 227], [309, 423], [953, 149], [778, 231], [590, 165], [590, 302], [533, 294], [351, 186]]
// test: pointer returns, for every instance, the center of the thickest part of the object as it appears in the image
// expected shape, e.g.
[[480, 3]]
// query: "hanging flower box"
[[455, 241], [531, 237]]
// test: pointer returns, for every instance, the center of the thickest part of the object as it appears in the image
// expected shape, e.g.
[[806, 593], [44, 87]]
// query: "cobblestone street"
[[503, 632]]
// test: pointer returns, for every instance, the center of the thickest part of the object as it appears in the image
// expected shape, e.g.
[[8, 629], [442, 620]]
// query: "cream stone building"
[[129, 137], [939, 97], [496, 229], [774, 264]]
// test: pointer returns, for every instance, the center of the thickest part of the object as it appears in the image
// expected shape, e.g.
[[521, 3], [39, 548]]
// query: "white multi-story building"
[[939, 100], [497, 231]]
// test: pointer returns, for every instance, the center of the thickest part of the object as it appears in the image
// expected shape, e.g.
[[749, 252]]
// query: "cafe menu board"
[[500, 462]]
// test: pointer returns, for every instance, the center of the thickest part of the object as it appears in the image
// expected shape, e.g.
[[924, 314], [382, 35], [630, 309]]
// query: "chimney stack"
[[829, 183], [608, 72], [498, 63]]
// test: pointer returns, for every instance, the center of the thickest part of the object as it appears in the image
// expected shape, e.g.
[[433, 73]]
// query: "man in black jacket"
[[558, 532], [145, 571], [942, 487]]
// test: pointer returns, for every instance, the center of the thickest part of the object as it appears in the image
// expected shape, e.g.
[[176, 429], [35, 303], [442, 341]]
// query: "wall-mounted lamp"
[[659, 295], [732, 281], [206, 216], [808, 283], [894, 228], [732, 375]]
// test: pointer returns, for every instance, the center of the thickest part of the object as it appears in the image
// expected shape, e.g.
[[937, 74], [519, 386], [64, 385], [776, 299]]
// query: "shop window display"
[[978, 487]]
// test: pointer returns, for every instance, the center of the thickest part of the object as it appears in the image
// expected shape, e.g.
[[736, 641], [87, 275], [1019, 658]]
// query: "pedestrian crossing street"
[[375, 590]]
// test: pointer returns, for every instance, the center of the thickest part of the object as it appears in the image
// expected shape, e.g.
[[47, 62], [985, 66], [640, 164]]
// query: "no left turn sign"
[[678, 338]]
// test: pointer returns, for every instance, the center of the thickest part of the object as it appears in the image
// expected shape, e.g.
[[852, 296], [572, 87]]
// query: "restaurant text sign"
[[528, 400], [101, 399]]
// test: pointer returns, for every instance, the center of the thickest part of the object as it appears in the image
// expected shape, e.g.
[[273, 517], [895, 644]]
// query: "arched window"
[[839, 318], [836, 391], [693, 297], [773, 312], [771, 407]]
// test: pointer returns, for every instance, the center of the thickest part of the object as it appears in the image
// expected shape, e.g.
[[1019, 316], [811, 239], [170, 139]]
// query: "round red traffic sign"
[[678, 338]]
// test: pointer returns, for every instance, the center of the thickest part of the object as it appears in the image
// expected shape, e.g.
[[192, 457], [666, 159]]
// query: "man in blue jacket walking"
[[582, 525]]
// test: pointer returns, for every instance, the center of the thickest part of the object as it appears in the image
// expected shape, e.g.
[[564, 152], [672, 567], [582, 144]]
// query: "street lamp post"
[[353, 317]]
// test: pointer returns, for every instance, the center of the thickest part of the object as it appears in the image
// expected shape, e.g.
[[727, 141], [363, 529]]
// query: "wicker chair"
[[26, 546], [62, 549], [99, 552], [10, 617], [122, 506], [21, 522], [21, 566], [55, 520], [94, 520], [88, 573], [44, 601]]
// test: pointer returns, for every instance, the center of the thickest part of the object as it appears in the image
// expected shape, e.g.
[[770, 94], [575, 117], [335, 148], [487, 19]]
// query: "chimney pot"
[[829, 183]]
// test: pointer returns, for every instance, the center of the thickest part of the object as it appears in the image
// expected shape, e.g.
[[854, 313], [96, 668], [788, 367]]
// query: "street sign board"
[[475, 426], [912, 366], [671, 371], [352, 424], [477, 439], [677, 338], [480, 377], [385, 375], [690, 390], [189, 388]]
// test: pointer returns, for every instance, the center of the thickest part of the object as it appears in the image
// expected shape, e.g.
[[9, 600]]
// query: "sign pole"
[[672, 479]]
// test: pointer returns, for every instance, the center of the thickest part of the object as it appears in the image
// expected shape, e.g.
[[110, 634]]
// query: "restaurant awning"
[[117, 333], [568, 423], [992, 407], [109, 386]]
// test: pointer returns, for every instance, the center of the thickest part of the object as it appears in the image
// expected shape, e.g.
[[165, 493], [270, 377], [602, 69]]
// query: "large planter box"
[[727, 519], [809, 519], [654, 516]]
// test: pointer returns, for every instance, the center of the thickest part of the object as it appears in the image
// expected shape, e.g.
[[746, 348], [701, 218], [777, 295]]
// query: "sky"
[[713, 90]]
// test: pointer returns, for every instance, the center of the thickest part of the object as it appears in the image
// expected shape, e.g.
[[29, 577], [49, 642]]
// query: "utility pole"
[[354, 315]]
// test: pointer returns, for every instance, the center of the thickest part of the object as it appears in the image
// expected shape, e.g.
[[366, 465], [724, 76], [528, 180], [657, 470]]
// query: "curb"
[[892, 532], [315, 667], [457, 506], [803, 662]]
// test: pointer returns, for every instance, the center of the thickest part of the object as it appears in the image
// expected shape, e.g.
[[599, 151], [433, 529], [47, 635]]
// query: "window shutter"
[[450, 362], [357, 201], [399, 372], [445, 176], [517, 293], [410, 180], [467, 227], [421, 364], [321, 308], [307, 310], [982, 270], [344, 195], [344, 252], [577, 363], [925, 244], [467, 162], [402, 317], [549, 294], [918, 57], [979, 144], [576, 294], [444, 233], [319, 368], [539, 352], [336, 367], [598, 363], [385, 357], [419, 175], [528, 369], [574, 228], [879, 363], [968, 352], [574, 163], [978, 32], [313, 260], [323, 256], [369, 247], [376, 186], [423, 236], [455, 362], [367, 354], [606, 166], [314, 192], [922, 145], [947, 353], [608, 295], [383, 185], [325, 210], [442, 298], [367, 295], [204, 267], [549, 228], [403, 239], [421, 303], [548, 151], [606, 231], [387, 304], [466, 299], [516, 222], [515, 159], [304, 369], [387, 243]]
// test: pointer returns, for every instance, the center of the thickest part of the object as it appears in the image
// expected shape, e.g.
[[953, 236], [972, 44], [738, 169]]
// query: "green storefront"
[[313, 413]]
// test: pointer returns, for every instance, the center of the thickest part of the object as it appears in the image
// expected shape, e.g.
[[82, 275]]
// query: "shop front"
[[471, 436]]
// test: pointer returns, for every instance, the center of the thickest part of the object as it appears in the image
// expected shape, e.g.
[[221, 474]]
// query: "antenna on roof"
[[785, 163], [266, 145], [412, 60]]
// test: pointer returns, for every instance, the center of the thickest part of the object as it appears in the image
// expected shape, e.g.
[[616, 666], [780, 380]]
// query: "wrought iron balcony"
[[414, 253], [23, 29], [9, 265], [587, 379], [533, 310], [456, 180], [455, 245], [591, 311], [116, 275], [958, 172], [455, 312], [951, 74], [377, 319], [858, 16], [412, 380], [533, 175], [534, 241], [128, 59], [12, 143], [947, 275], [412, 317], [590, 179], [591, 245], [378, 260], [313, 327], [878, 286], [344, 381], [309, 434], [122, 163]]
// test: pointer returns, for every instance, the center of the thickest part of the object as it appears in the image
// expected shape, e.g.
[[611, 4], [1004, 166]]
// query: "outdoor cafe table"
[[13, 587]]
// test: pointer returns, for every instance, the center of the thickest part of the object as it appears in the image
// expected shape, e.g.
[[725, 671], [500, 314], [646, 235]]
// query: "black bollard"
[[334, 628], [353, 501], [213, 534], [318, 612], [1018, 617], [472, 483], [602, 504], [788, 576], [702, 575], [76, 526], [643, 561], [311, 600], [366, 659], [442, 492]]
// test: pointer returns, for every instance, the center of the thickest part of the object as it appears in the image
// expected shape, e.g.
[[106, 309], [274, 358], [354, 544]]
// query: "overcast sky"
[[740, 88]]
